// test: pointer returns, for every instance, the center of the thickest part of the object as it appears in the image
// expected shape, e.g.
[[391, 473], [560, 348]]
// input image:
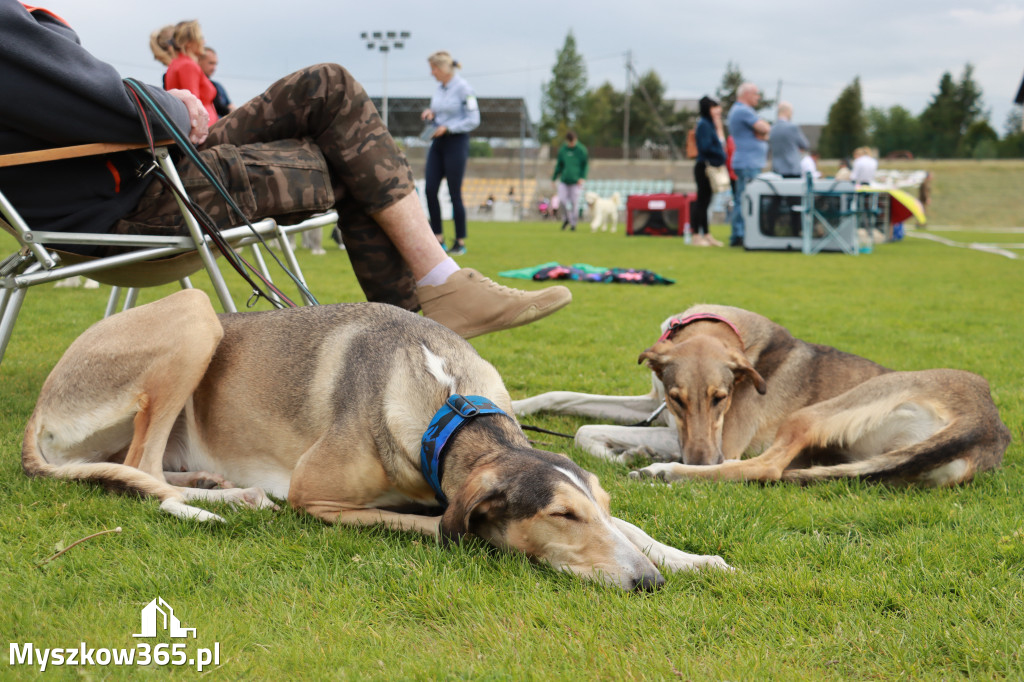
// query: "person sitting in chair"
[[313, 141]]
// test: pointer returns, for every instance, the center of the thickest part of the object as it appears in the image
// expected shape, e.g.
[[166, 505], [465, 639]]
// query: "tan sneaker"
[[471, 304]]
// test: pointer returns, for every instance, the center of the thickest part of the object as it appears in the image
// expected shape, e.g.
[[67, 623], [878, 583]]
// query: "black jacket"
[[55, 93]]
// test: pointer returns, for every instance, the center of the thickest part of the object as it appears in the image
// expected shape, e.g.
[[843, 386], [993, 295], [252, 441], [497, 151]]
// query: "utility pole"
[[625, 112], [385, 42], [778, 99]]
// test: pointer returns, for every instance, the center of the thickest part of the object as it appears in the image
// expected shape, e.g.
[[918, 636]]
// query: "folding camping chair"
[[154, 261]]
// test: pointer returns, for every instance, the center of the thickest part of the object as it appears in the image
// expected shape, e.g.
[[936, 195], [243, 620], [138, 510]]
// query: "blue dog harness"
[[452, 416]]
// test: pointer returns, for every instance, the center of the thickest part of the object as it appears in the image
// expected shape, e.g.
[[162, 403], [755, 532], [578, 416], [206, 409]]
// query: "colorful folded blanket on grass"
[[581, 272]]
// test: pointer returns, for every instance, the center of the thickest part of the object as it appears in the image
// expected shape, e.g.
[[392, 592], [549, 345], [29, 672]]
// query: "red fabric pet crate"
[[658, 214]]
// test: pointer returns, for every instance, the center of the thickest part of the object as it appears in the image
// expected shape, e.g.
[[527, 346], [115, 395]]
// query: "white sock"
[[440, 273]]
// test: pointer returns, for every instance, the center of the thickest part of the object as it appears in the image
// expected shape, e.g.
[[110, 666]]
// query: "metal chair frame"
[[34, 263]]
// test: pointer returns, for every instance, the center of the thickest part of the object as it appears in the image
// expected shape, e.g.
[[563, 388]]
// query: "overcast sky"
[[814, 49]]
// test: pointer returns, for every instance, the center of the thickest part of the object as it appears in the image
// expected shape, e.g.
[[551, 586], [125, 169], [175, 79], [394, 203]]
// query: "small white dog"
[[605, 211]]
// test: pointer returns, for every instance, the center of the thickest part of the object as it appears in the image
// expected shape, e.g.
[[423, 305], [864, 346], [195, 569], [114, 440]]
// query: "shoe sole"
[[530, 314]]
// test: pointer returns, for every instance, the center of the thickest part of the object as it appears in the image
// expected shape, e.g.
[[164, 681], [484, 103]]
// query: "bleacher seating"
[[476, 190]]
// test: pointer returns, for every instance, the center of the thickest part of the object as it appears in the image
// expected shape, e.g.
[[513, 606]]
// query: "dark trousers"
[[447, 159], [699, 208]]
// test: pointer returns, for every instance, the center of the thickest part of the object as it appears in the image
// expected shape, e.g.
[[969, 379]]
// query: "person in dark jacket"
[[710, 152], [311, 142]]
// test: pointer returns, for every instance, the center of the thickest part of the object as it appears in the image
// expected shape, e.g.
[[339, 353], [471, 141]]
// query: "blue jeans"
[[743, 177], [447, 159]]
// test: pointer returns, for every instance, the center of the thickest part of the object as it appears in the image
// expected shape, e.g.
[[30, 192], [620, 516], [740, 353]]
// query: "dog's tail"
[[32, 460], [110, 475]]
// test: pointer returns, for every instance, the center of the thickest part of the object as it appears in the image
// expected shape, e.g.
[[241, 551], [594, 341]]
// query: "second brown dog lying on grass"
[[734, 382]]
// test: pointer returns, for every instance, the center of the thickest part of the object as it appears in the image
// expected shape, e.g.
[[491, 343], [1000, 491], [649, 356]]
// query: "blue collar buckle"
[[453, 415]]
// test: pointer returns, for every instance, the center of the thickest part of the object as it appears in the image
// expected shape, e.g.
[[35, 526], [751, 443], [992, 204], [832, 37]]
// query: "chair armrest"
[[74, 152]]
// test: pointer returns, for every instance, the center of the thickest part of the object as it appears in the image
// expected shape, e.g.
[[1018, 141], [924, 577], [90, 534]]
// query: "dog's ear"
[[480, 496], [656, 356], [741, 367]]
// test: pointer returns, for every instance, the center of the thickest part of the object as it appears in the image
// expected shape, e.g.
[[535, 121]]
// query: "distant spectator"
[[710, 153], [787, 141], [570, 174], [750, 133], [161, 44], [809, 164], [844, 170], [184, 72], [924, 194], [454, 113], [730, 150], [208, 63], [865, 165]]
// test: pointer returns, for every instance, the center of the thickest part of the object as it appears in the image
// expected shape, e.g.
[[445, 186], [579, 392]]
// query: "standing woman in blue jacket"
[[454, 113], [710, 152]]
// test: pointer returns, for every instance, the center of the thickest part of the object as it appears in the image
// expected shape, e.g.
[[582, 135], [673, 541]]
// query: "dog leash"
[[644, 422], [143, 100], [453, 415], [654, 415], [527, 427]]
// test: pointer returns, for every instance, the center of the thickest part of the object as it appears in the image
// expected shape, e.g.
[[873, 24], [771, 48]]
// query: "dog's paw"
[[254, 498], [186, 511], [640, 452], [197, 479], [660, 471]]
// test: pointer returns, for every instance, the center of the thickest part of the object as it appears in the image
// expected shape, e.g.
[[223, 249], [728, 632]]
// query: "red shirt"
[[730, 149], [184, 74]]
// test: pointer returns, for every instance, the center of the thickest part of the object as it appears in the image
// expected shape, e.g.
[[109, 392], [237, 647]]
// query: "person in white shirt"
[[809, 164], [865, 165]]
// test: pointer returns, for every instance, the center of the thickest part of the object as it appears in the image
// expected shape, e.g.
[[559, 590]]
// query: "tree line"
[[954, 124]]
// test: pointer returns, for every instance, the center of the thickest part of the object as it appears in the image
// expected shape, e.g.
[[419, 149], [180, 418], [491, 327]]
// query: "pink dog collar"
[[678, 322]]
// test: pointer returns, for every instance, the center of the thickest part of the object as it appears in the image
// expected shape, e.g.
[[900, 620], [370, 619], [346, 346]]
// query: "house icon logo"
[[159, 614]]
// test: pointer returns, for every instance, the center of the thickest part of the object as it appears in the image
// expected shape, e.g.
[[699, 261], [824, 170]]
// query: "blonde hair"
[[186, 32], [161, 44], [443, 60]]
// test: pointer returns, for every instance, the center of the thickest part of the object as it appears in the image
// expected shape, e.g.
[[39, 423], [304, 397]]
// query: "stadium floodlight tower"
[[385, 42]]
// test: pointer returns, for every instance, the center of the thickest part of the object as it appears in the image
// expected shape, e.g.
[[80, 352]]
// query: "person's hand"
[[427, 115], [199, 119], [580, 182], [441, 130]]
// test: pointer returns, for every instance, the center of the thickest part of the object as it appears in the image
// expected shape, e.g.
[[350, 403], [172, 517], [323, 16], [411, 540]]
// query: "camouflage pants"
[[311, 142]]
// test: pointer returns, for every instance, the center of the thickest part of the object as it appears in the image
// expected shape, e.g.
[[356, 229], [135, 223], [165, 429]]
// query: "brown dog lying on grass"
[[355, 413], [735, 382]]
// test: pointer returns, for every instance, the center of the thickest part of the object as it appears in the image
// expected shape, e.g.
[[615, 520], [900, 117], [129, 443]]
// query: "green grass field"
[[840, 580]]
